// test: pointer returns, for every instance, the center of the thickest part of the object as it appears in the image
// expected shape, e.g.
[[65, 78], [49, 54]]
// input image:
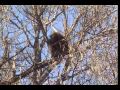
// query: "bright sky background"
[[57, 24]]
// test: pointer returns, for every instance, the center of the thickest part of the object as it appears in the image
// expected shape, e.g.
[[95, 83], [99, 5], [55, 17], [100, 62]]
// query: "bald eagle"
[[58, 45]]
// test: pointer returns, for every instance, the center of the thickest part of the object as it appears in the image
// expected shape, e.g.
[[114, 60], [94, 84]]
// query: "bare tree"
[[91, 31]]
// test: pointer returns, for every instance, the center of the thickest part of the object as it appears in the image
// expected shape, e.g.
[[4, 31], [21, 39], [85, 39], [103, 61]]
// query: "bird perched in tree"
[[58, 45]]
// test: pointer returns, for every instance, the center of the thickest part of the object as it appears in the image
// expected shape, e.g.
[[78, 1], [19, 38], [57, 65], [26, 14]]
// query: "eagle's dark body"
[[58, 45]]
